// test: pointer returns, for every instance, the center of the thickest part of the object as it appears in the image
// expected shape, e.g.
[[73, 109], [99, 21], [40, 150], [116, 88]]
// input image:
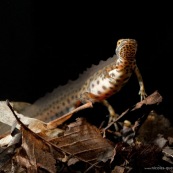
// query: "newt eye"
[[119, 42]]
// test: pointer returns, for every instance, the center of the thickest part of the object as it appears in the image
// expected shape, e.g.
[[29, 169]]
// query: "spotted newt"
[[95, 84]]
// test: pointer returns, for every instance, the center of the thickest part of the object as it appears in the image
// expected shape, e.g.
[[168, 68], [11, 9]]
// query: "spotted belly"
[[103, 88]]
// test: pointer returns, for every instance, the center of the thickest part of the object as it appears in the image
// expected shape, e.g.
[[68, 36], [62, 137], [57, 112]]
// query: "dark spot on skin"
[[63, 103], [57, 107], [112, 75], [97, 73], [99, 92], [127, 71], [83, 88], [111, 82], [52, 118], [67, 109], [44, 110], [98, 82], [131, 61], [61, 113], [111, 88], [68, 100], [104, 87], [90, 79], [127, 66]]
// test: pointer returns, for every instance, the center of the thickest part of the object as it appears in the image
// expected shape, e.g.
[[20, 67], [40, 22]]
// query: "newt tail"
[[96, 84]]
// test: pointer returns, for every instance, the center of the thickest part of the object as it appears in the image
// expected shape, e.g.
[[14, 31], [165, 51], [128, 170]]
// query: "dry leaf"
[[80, 142], [37, 126], [168, 154], [118, 169], [5, 140], [84, 141], [6, 153], [37, 153], [7, 117]]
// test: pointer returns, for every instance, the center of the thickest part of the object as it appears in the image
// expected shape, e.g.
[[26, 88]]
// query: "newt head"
[[126, 48]]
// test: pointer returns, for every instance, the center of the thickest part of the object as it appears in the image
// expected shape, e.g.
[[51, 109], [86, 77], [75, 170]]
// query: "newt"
[[96, 84]]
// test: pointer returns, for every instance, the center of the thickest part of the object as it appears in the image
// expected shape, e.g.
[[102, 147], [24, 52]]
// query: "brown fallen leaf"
[[138, 156], [36, 152], [154, 125], [81, 141], [6, 118], [118, 169], [37, 126], [168, 154], [7, 121], [7, 152], [85, 142]]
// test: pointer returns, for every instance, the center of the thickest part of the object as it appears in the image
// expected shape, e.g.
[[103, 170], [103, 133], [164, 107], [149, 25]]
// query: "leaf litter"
[[35, 146]]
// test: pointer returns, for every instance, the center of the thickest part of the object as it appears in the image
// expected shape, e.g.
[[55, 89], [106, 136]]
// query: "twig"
[[154, 98], [53, 124]]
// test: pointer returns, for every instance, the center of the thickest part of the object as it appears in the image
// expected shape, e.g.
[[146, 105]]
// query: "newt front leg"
[[142, 92], [89, 97], [85, 97]]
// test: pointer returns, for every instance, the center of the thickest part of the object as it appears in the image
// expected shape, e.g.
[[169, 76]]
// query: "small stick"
[[154, 98], [53, 124]]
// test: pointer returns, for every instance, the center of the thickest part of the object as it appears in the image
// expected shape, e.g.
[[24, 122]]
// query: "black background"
[[44, 44]]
